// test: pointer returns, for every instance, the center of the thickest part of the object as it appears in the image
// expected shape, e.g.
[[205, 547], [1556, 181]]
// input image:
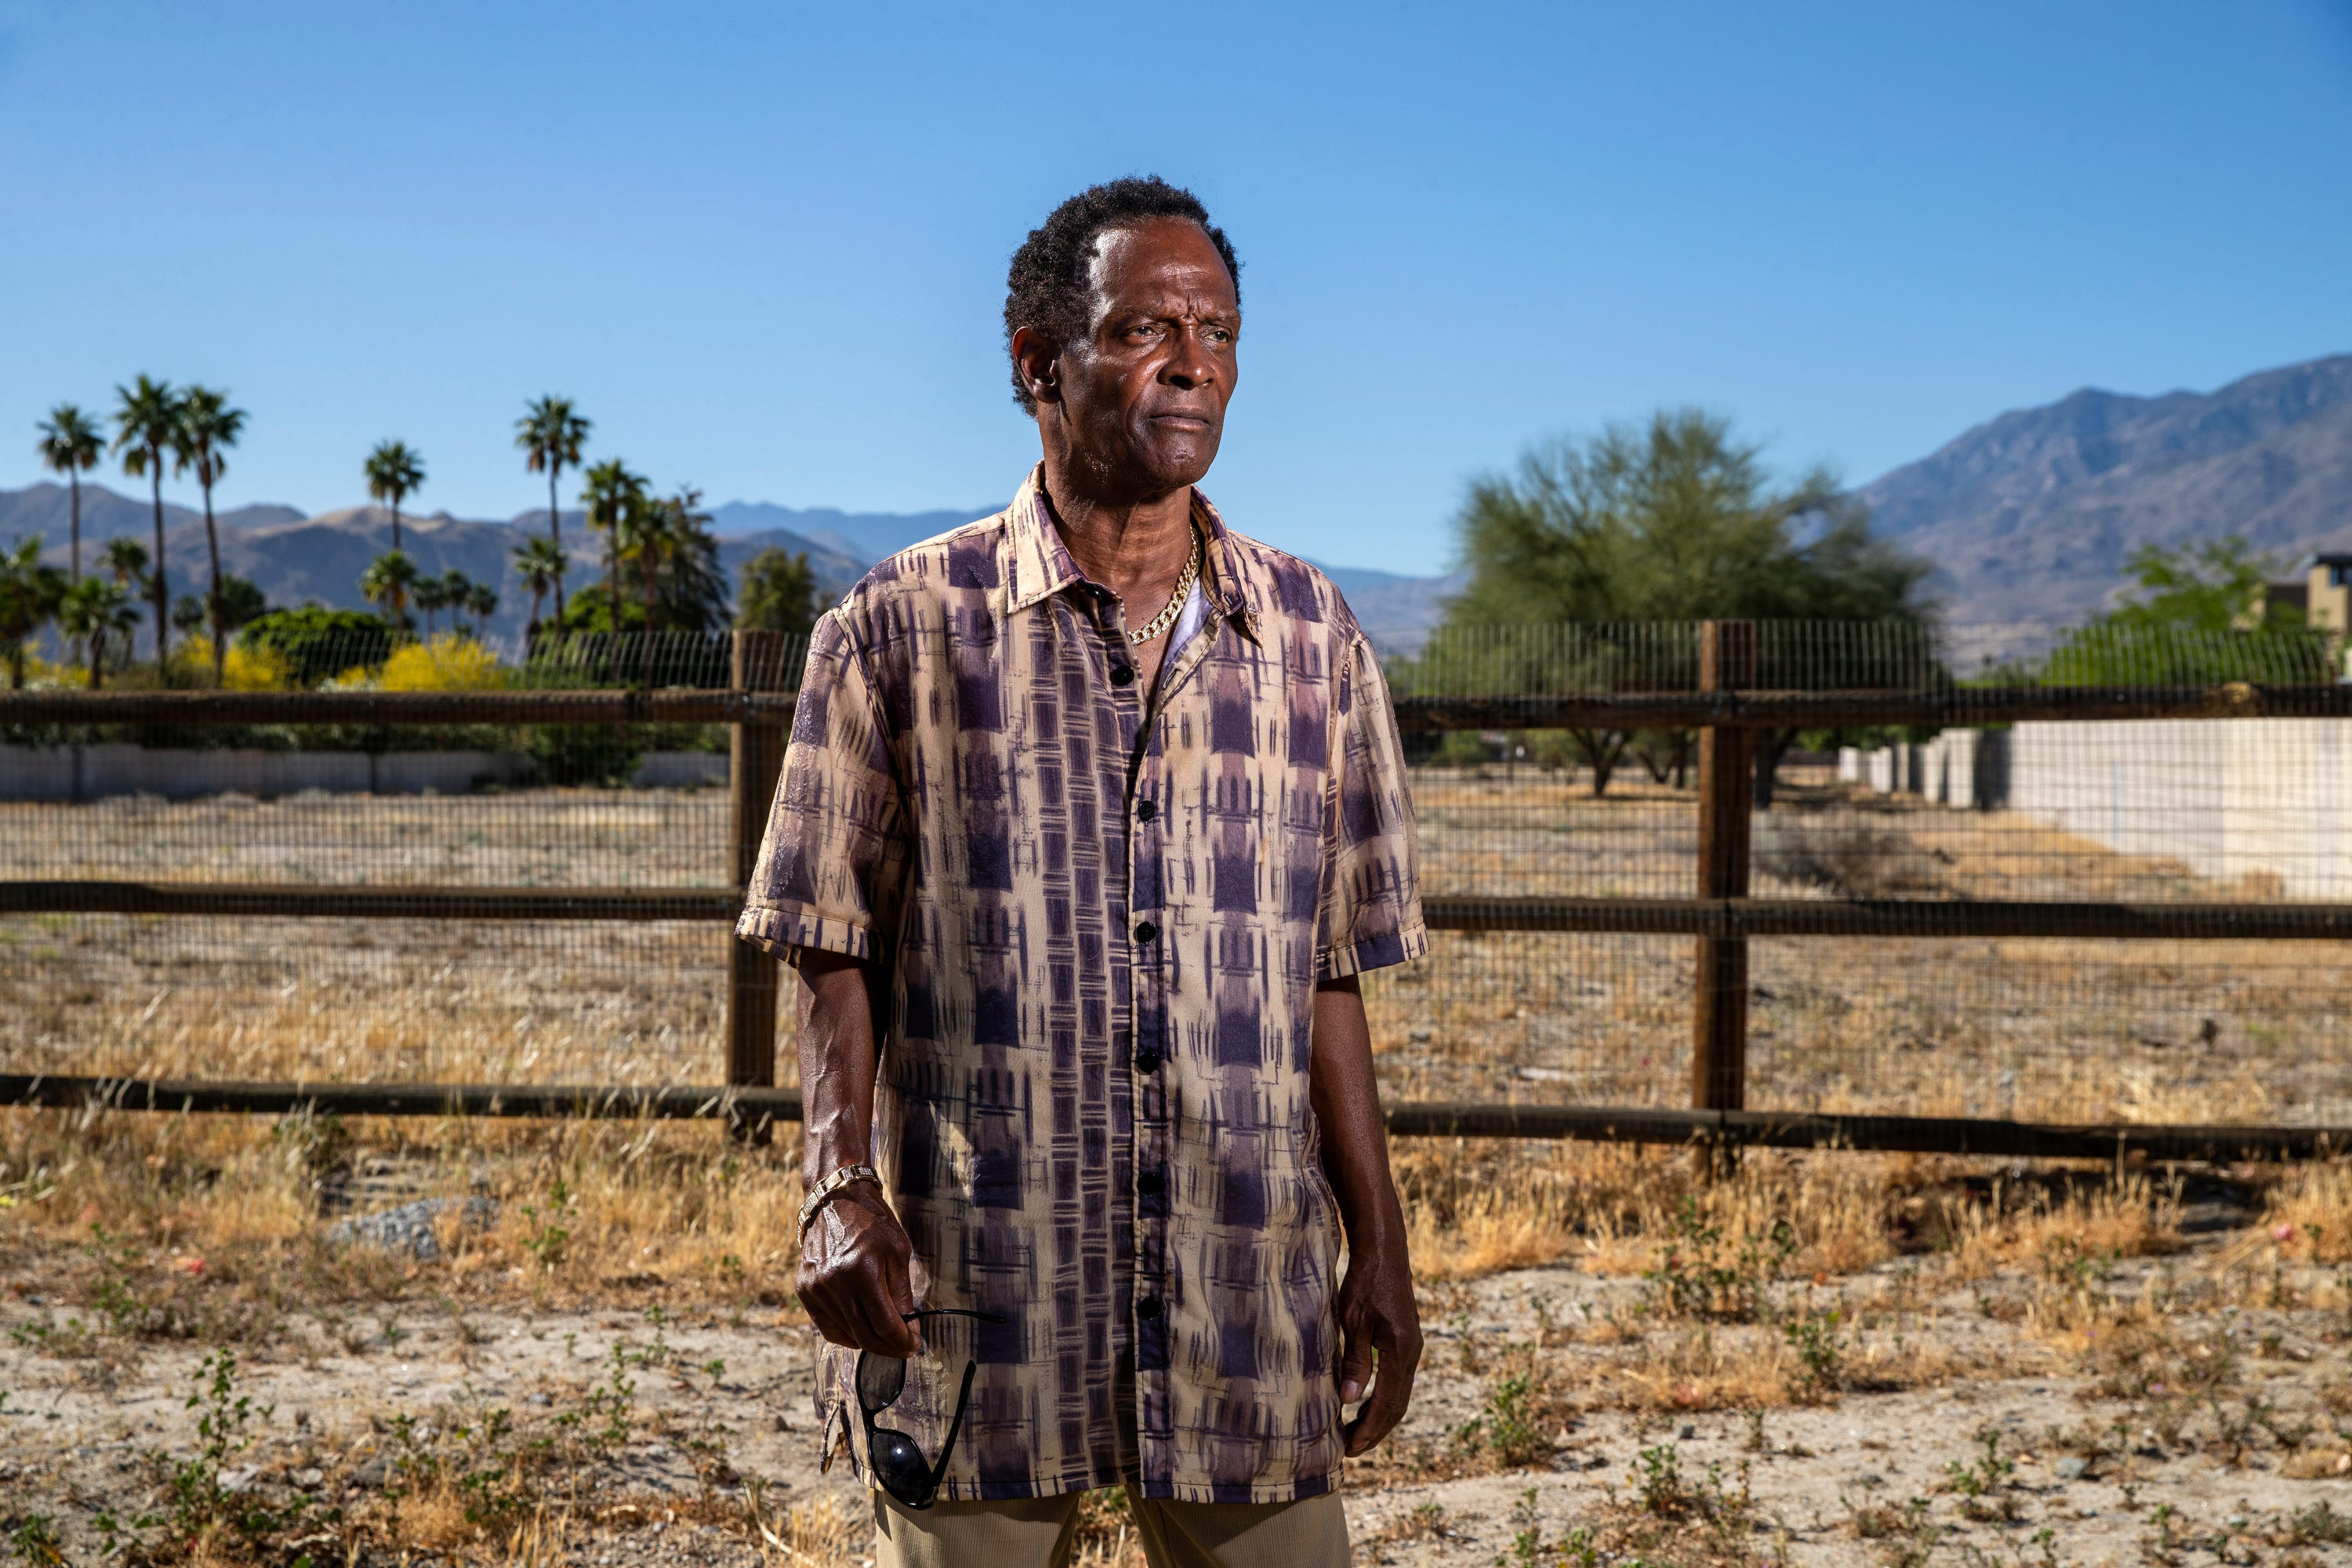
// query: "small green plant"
[[550, 1230], [2320, 1525], [116, 1295], [1820, 1354], [1506, 1428], [35, 1540], [1658, 1481], [1696, 1276], [1983, 1483], [225, 1420]]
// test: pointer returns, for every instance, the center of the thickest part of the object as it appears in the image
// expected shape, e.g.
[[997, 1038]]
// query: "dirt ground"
[[2191, 1404]]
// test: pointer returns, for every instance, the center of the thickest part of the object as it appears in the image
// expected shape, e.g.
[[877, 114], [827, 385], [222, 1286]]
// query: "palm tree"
[[71, 444], [93, 609], [146, 422], [30, 593], [393, 469], [539, 565], [553, 435], [126, 562], [208, 428], [612, 497], [387, 582], [457, 592], [429, 595], [481, 603]]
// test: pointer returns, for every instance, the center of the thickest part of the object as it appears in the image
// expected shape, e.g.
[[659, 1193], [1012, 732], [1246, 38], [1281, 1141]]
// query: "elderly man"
[[1093, 814]]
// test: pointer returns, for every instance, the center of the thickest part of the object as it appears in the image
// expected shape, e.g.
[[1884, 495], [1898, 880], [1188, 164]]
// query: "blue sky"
[[763, 246]]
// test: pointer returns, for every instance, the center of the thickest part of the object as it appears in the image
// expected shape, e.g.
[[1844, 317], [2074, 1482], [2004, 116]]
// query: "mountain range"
[[2029, 516]]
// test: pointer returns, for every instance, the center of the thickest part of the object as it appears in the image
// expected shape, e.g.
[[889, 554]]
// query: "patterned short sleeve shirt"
[[1103, 917]]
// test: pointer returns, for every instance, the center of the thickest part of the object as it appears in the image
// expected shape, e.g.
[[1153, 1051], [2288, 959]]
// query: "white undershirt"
[[1189, 621]]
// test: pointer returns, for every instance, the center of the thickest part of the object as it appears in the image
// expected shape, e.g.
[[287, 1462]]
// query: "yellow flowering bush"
[[245, 669], [450, 662]]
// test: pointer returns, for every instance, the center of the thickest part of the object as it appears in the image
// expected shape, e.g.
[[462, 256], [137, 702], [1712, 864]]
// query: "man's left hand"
[[1377, 1313]]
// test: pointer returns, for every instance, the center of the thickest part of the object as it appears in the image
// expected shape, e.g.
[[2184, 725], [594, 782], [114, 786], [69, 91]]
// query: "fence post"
[[756, 756], [1727, 662]]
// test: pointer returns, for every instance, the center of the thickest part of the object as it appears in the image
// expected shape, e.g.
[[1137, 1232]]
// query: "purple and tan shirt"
[[1103, 922]]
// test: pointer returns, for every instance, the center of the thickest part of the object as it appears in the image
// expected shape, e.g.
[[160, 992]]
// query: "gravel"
[[409, 1227]]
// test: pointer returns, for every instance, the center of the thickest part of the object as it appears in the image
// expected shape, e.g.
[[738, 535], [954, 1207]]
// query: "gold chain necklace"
[[1175, 606]]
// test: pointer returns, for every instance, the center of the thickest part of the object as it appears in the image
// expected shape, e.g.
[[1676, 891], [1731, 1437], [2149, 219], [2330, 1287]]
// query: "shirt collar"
[[1037, 565]]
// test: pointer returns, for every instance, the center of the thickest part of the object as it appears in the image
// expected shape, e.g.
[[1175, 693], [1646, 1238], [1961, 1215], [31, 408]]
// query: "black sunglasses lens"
[[880, 1380], [900, 1466]]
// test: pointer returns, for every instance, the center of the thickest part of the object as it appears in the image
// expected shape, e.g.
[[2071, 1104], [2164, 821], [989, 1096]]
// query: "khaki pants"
[[1035, 1533]]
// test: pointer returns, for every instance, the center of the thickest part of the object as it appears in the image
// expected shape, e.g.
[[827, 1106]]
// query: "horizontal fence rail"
[[1656, 917], [1759, 1129], [1966, 705], [313, 899], [674, 706]]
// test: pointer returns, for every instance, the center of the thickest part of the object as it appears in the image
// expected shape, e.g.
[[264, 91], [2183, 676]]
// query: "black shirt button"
[[1122, 675], [1147, 1307], [1148, 1061], [1148, 1183], [1145, 811], [1144, 931]]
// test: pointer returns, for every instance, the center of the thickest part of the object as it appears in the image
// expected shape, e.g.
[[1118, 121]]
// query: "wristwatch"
[[822, 1193]]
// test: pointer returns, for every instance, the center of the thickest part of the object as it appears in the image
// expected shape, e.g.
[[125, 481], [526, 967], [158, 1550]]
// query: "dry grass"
[[650, 1211]]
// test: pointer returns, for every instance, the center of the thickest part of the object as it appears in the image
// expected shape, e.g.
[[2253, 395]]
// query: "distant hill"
[[868, 536], [48, 509], [1396, 611], [2031, 515]]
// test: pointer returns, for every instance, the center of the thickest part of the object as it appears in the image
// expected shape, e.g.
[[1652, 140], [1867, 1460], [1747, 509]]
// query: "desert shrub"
[[318, 642]]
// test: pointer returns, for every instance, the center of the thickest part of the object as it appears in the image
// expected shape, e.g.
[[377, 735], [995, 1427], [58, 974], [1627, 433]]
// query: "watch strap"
[[822, 1193]]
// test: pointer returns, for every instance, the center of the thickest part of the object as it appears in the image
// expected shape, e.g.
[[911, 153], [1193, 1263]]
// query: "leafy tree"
[[539, 563], [780, 593], [2193, 615], [389, 581], [71, 444], [30, 593], [95, 611], [551, 435], [1674, 521], [318, 642], [481, 603], [146, 426], [393, 470], [208, 426]]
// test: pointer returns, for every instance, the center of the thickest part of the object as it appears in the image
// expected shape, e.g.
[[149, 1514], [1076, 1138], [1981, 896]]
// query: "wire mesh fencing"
[[2034, 906]]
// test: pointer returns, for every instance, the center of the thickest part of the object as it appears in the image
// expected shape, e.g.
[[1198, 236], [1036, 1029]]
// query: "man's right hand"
[[854, 1276]]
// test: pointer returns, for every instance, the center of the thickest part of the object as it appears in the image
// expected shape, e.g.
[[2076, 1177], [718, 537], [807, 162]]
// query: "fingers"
[[1355, 1363], [853, 1278], [1391, 1393]]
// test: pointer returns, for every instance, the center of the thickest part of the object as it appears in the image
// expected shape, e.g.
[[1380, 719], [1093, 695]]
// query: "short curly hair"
[[1049, 285]]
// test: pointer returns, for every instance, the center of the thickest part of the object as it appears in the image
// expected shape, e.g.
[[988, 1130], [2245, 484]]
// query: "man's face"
[[1143, 395]]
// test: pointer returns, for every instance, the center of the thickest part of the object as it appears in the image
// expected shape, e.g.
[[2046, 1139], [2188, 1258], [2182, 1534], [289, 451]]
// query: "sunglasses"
[[897, 1463]]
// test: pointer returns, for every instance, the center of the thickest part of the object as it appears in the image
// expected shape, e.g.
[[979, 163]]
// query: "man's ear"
[[1036, 357]]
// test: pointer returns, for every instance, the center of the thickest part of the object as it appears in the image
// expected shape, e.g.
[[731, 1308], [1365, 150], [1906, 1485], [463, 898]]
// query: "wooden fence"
[[1719, 916]]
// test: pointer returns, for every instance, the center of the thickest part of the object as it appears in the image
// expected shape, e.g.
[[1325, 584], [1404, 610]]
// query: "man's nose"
[[1190, 365]]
